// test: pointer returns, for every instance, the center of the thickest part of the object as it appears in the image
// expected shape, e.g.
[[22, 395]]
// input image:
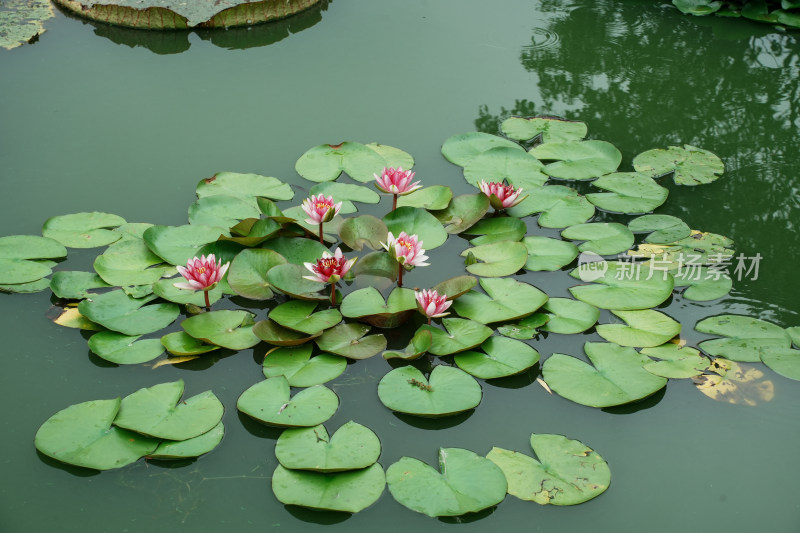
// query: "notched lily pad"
[[448, 391], [690, 165], [645, 328], [226, 328], [83, 230], [578, 160], [461, 335], [351, 341], [463, 211], [746, 338], [181, 343], [119, 312], [300, 369], [269, 402], [188, 448], [30, 247], [244, 186], [498, 259], [629, 192], [505, 299], [548, 254], [369, 306], [177, 244], [461, 149], [568, 317], [662, 229], [501, 357], [299, 315], [352, 447], [431, 198], [124, 349], [348, 492], [559, 206], [545, 129]]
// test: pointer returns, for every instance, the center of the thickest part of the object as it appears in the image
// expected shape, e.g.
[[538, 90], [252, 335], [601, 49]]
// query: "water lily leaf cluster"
[[785, 13]]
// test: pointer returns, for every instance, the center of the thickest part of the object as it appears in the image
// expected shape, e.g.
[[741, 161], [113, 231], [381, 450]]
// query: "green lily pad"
[[30, 247], [364, 230], [222, 211], [352, 447], [578, 160], [83, 230], [368, 305], [419, 344], [646, 328], [616, 378], [461, 335], [376, 264], [703, 284], [300, 369], [505, 299], [468, 483], [567, 473], [297, 251], [128, 262], [248, 273], [348, 492], [21, 21], [501, 357], [698, 249], [349, 340], [158, 411], [746, 339], [325, 162], [461, 149], [663, 229], [525, 329], [253, 231], [83, 435], [269, 402], [631, 192], [623, 287], [698, 7], [117, 311], [548, 129], [347, 193], [456, 287], [181, 343], [794, 333], [132, 230], [167, 290], [188, 448], [299, 316], [690, 165], [430, 198], [29, 287], [567, 316], [548, 254], [289, 280], [124, 349], [677, 362], [13, 271], [602, 238], [505, 163], [463, 211], [559, 207], [273, 333], [393, 157], [244, 186], [671, 351], [497, 229], [177, 244], [785, 362], [448, 391], [498, 259], [415, 221], [226, 328], [329, 229]]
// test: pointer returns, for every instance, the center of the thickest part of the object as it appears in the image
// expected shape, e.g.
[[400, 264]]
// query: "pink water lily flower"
[[330, 269], [406, 249], [396, 181], [320, 208], [432, 304], [501, 196], [202, 274]]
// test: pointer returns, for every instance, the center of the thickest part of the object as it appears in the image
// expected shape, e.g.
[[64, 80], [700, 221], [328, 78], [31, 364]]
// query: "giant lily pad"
[[559, 206], [690, 165], [448, 391], [365, 230], [505, 163], [549, 254], [222, 211], [463, 211], [127, 263], [82, 435], [30, 247], [461, 149], [299, 316], [348, 492], [746, 338], [415, 221], [177, 244], [501, 357], [505, 299], [369, 306], [349, 340], [567, 316], [326, 161], [300, 369], [567, 473], [646, 328], [226, 328], [188, 448], [662, 229], [430, 198], [461, 335], [124, 349], [352, 447], [625, 287], [158, 412], [616, 378], [578, 160], [244, 186], [119, 312], [630, 192], [468, 483], [602, 238], [497, 259], [83, 230], [547, 129], [21, 21], [269, 402]]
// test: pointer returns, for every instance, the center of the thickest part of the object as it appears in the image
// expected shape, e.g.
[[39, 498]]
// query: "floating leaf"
[[548, 129], [735, 383], [167, 290], [269, 331], [567, 316], [325, 162], [222, 211], [698, 7], [299, 316], [501, 357], [646, 328], [297, 251], [689, 366], [625, 286], [269, 402], [631, 192], [300, 369], [376, 264], [364, 230], [461, 335], [348, 492], [602, 238], [188, 448], [124, 349], [30, 247], [430, 198], [690, 165], [82, 435], [448, 391], [548, 254], [127, 263], [348, 340], [72, 318], [21, 21], [83, 230], [181, 343], [567, 473], [505, 299], [119, 312], [505, 163], [329, 230], [691, 252], [393, 157], [352, 447], [455, 287], [244, 186], [415, 221], [499, 259], [616, 378], [289, 280], [559, 206], [468, 483], [794, 333], [368, 305], [31, 286], [785, 362], [578, 160], [461, 149], [746, 338], [346, 193], [177, 244], [496, 230], [253, 231], [13, 271], [419, 344], [158, 412], [226, 328], [663, 229], [463, 211], [525, 329], [703, 284]]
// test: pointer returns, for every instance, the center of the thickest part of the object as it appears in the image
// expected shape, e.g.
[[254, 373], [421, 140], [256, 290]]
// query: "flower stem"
[[320, 234], [429, 321], [399, 275], [208, 303], [394, 202], [333, 294]]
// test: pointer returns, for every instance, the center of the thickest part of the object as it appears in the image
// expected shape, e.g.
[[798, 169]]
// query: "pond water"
[[100, 118]]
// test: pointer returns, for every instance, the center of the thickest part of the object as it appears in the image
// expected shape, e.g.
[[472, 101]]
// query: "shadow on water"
[[435, 423], [467, 518], [258, 429], [635, 407], [77, 471], [238, 38], [311, 516]]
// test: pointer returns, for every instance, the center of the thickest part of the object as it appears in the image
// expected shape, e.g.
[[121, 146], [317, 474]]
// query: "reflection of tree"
[[648, 78]]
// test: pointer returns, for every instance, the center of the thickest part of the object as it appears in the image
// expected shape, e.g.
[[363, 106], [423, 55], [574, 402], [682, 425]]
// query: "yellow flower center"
[[201, 270], [320, 205]]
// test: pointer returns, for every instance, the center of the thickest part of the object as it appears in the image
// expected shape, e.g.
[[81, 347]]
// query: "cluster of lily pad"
[[779, 12], [240, 243]]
